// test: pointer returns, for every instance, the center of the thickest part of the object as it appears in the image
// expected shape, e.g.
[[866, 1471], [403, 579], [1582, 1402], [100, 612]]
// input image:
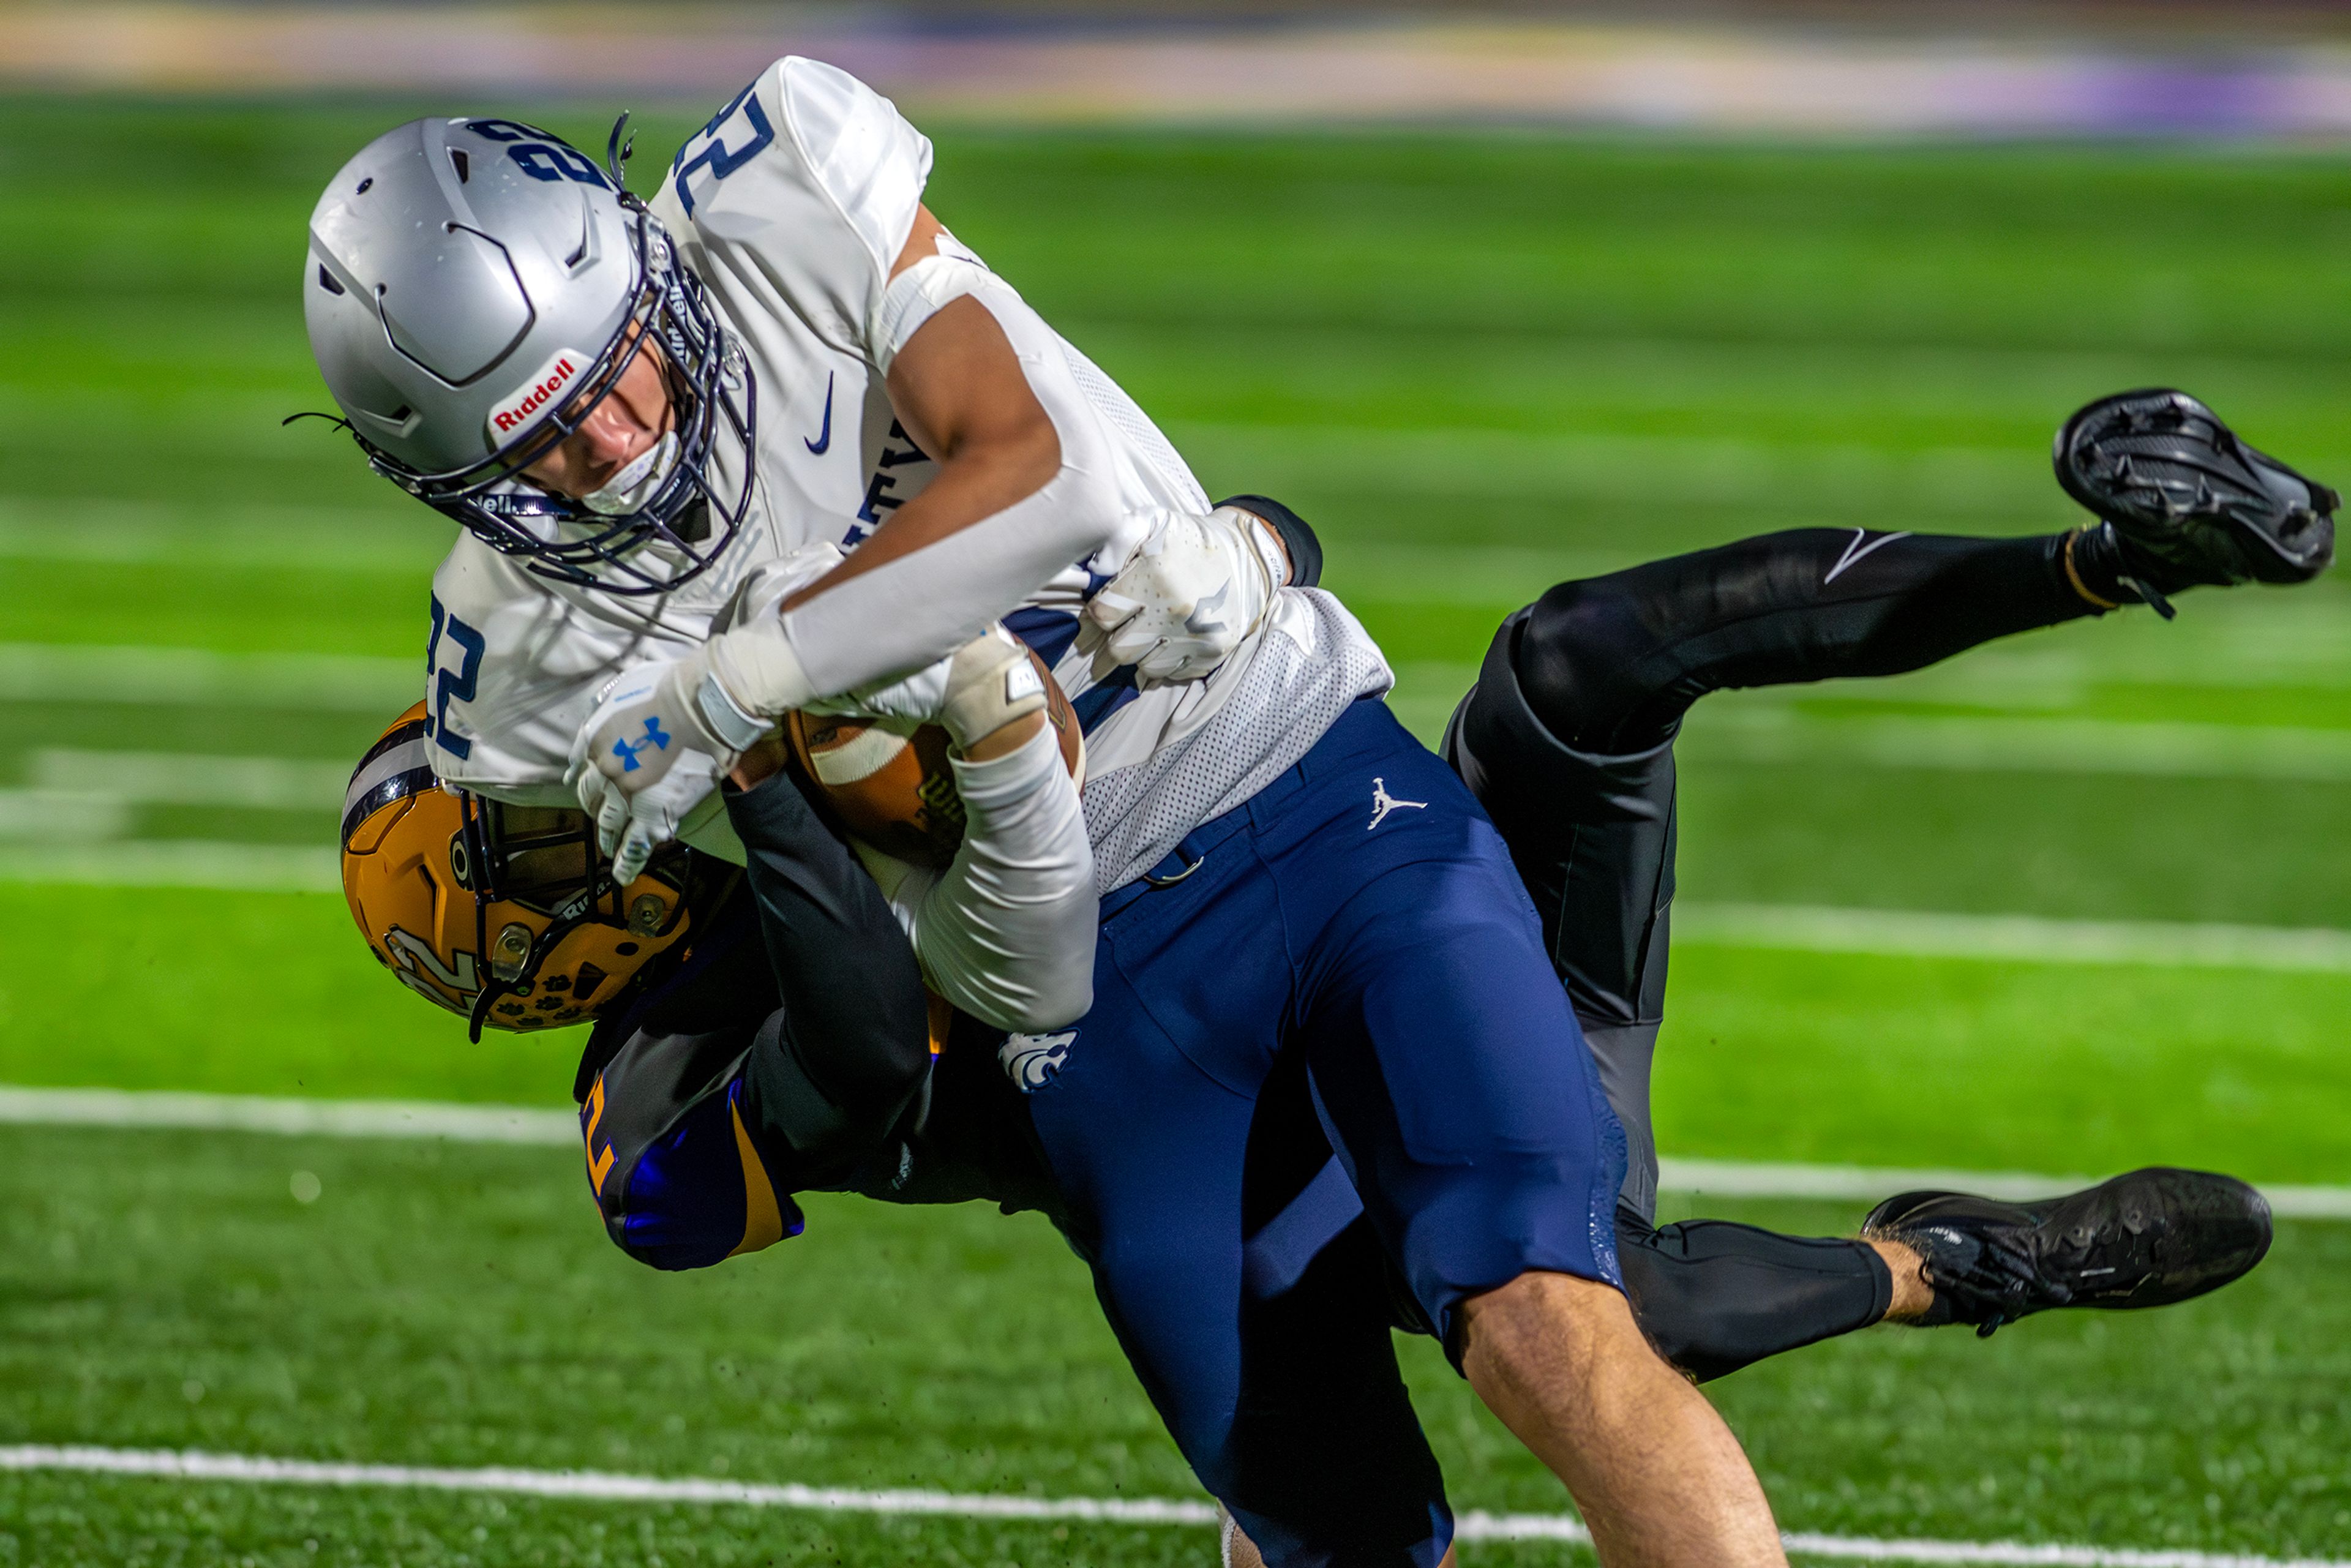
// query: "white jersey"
[[792, 206]]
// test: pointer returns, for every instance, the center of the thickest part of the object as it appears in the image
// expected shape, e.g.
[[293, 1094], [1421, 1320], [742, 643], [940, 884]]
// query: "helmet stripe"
[[395, 768]]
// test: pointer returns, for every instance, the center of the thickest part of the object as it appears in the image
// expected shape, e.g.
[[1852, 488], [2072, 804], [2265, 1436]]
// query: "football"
[[887, 783]]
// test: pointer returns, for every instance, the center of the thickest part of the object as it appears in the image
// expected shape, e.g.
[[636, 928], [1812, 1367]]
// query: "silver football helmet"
[[474, 287]]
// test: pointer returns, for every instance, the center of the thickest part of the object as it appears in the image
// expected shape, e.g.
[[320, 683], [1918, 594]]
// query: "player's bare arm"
[[958, 390]]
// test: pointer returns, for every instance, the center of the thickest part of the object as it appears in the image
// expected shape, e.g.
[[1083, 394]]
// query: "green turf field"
[[1478, 363]]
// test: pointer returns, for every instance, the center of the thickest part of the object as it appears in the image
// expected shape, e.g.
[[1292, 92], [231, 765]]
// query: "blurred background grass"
[[1479, 360], [1479, 363]]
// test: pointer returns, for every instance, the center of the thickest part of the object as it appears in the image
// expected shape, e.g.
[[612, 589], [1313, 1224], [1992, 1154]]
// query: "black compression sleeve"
[[1611, 664], [1714, 1297], [834, 1068]]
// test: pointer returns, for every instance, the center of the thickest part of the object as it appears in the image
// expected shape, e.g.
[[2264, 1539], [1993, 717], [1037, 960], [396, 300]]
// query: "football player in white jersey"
[[654, 420]]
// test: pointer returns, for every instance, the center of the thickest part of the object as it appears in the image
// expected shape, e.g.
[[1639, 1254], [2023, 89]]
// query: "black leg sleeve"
[[1611, 664], [1714, 1297], [1567, 741], [831, 1070], [1592, 839], [1567, 738]]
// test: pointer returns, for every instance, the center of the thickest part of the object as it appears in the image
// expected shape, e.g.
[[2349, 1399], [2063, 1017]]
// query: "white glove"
[[768, 585], [1188, 595], [631, 827], [973, 692], [659, 719]]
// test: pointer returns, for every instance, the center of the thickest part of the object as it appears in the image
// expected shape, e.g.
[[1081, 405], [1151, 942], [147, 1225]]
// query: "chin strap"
[[495, 987], [616, 155], [491, 992]]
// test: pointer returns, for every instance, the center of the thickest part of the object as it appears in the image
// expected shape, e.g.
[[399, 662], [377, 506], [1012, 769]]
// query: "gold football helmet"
[[506, 915]]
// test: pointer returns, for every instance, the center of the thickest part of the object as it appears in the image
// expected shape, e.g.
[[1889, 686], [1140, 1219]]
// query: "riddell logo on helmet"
[[527, 407]]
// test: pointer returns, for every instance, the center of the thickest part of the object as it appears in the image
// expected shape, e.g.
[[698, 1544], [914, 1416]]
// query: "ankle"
[[2108, 571], [1914, 1299], [2086, 556]]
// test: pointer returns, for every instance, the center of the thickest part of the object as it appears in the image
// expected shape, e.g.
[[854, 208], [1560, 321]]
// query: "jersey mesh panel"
[[1286, 699], [1128, 419]]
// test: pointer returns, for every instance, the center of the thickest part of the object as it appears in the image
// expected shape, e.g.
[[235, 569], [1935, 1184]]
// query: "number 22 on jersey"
[[709, 150]]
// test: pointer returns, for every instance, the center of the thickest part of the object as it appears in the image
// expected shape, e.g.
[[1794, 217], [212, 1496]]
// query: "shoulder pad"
[[812, 178], [869, 161]]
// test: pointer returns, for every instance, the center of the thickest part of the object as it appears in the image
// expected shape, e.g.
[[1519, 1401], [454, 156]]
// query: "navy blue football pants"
[[1347, 965], [1329, 1086]]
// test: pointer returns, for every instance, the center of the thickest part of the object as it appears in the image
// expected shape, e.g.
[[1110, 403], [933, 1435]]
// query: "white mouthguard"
[[637, 482]]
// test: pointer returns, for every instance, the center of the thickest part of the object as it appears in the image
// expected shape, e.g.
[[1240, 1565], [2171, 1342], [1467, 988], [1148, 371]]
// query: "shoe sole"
[[2154, 426]]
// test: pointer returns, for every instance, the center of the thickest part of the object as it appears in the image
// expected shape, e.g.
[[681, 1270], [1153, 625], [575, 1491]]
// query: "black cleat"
[[2146, 1240], [2188, 503]]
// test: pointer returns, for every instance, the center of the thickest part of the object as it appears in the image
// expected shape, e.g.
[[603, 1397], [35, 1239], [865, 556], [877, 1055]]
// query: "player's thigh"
[[1147, 1152], [1453, 1078], [1593, 838], [1281, 1391]]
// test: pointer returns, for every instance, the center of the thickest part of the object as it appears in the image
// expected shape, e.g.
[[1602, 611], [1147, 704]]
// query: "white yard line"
[[152, 533], [1776, 733], [307, 1118], [190, 779], [1759, 732], [69, 673], [60, 815], [2014, 938], [604, 1486], [1869, 1184], [590, 1484], [177, 863], [530, 1125]]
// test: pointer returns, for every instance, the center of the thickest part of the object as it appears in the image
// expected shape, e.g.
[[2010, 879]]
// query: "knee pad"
[[1578, 657]]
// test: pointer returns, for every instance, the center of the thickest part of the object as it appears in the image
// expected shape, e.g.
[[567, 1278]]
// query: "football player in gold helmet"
[[705, 1102], [506, 915]]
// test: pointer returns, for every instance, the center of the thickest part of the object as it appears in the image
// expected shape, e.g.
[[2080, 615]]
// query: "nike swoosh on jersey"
[[823, 437]]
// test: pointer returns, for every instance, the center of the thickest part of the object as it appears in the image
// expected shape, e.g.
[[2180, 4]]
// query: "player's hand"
[[1188, 596], [767, 586], [653, 722], [973, 692], [629, 828]]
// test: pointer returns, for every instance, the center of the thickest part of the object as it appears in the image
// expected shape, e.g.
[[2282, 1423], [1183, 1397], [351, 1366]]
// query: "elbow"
[[1032, 455], [679, 1234], [694, 1194], [1015, 459], [1085, 506], [672, 1239], [1048, 997]]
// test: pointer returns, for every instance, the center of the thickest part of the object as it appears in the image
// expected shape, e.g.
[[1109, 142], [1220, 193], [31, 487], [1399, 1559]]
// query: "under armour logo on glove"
[[627, 750]]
